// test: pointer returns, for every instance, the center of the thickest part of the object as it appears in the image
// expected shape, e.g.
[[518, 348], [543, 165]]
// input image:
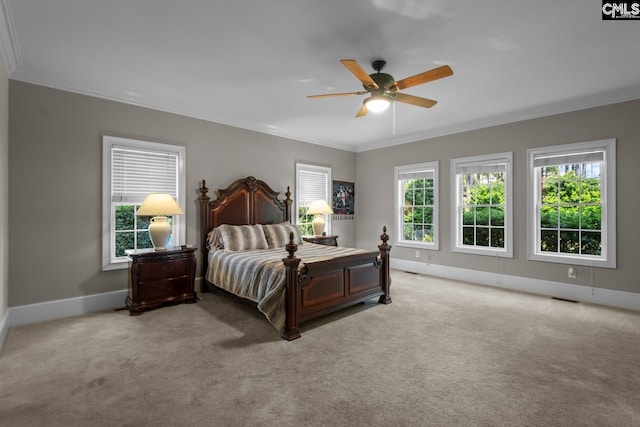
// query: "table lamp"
[[319, 208], [159, 205]]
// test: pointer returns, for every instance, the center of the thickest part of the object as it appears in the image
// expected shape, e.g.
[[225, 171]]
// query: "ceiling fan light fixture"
[[377, 103]]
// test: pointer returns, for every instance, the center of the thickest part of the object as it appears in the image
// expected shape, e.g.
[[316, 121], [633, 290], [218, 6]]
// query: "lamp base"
[[318, 225], [160, 232]]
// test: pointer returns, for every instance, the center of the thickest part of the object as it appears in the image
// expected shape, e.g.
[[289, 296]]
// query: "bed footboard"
[[326, 286]]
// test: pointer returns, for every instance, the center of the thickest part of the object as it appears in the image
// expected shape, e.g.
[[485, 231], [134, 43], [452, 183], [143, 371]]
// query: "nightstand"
[[322, 240], [160, 277]]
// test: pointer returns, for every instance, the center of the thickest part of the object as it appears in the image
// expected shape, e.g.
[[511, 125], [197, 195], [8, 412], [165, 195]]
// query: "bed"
[[290, 280]]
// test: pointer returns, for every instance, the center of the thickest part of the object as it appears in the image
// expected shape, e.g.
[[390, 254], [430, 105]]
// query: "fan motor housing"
[[383, 80]]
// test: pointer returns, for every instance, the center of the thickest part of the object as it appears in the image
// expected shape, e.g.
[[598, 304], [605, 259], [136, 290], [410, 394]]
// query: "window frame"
[[109, 261], [398, 219], [486, 160], [299, 199], [607, 198]]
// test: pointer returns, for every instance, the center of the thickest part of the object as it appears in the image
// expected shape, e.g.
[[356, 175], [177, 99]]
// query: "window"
[[312, 183], [482, 203], [571, 210], [131, 170], [416, 205]]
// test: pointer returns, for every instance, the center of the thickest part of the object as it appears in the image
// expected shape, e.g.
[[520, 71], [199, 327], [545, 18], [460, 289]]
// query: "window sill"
[[492, 252], [418, 245], [573, 260]]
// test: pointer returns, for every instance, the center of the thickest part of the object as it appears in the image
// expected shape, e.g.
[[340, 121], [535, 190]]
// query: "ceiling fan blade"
[[359, 72], [329, 95], [414, 100], [427, 76], [362, 111]]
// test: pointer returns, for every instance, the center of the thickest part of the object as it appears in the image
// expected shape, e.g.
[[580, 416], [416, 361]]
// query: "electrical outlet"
[[572, 273], [417, 254]]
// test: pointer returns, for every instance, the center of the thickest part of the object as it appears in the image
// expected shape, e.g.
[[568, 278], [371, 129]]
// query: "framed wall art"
[[343, 202]]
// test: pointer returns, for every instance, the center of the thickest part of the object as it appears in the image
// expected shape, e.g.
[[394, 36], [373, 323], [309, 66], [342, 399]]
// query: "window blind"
[[415, 174], [136, 172], [312, 186], [568, 158], [480, 167]]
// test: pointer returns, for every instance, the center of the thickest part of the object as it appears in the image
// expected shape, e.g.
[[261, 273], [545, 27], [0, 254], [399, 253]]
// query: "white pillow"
[[214, 240], [278, 234], [242, 237]]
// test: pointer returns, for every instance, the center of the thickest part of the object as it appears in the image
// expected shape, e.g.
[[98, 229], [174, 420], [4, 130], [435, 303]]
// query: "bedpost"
[[205, 227], [385, 278], [288, 201], [291, 264]]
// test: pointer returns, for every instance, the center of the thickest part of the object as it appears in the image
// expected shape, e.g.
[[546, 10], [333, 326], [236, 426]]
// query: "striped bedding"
[[259, 275]]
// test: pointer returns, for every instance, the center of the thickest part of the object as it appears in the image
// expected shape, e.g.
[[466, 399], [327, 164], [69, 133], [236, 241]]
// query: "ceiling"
[[251, 64]]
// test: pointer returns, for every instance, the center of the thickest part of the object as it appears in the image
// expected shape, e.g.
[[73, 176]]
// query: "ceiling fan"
[[384, 89]]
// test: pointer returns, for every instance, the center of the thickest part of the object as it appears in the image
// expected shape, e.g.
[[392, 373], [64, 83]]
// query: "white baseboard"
[[620, 299], [50, 310]]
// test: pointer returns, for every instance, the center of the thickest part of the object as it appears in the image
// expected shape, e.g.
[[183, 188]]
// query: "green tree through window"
[[570, 209], [482, 204], [418, 210], [131, 231], [305, 221], [483, 207]]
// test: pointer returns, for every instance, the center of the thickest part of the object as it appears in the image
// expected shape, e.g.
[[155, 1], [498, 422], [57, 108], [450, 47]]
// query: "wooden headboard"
[[245, 201]]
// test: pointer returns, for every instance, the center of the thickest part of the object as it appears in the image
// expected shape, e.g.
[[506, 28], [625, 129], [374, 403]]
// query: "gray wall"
[[4, 192], [375, 190], [55, 179]]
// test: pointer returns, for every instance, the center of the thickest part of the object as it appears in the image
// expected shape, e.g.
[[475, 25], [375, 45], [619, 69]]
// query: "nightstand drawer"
[[166, 288], [162, 270]]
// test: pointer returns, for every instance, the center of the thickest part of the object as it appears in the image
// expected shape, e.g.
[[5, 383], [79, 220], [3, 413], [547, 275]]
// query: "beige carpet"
[[444, 353]]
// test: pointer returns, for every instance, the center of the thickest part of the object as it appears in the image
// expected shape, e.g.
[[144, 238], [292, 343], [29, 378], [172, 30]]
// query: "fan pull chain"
[[394, 118]]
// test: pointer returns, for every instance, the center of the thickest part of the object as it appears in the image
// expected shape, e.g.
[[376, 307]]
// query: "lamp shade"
[[319, 207], [159, 204]]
